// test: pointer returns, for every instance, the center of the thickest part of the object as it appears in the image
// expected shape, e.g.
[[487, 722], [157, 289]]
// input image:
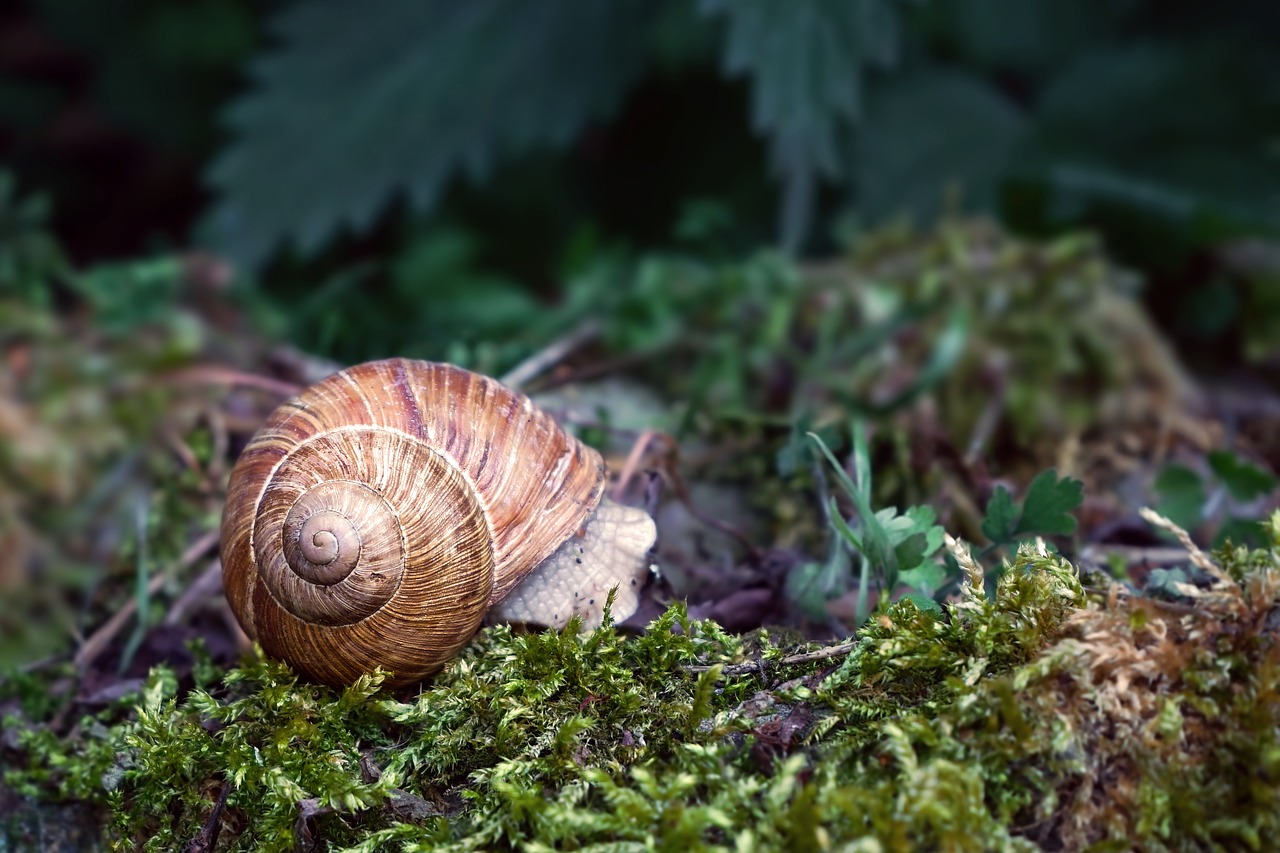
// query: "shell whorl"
[[377, 516]]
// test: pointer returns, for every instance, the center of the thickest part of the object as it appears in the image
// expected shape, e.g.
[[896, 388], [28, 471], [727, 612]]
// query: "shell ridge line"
[[359, 393], [560, 472], [404, 388], [314, 438], [448, 402], [442, 445]]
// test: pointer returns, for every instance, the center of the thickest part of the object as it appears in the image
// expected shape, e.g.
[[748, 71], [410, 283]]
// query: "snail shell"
[[377, 517]]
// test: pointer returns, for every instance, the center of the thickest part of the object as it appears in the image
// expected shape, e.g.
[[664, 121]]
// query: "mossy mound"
[[1042, 717]]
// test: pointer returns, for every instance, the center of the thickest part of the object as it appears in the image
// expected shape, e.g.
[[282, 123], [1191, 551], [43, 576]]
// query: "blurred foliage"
[[90, 421], [324, 140], [1047, 333], [586, 128], [1057, 341], [1223, 498], [360, 102]]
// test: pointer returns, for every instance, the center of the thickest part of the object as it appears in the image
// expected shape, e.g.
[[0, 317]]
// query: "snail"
[[381, 515]]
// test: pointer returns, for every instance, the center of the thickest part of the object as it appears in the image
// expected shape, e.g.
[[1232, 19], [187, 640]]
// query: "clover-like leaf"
[[1242, 478], [1002, 516], [1049, 503]]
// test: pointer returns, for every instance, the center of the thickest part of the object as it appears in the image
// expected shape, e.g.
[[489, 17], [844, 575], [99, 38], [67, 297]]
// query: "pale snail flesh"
[[380, 515]]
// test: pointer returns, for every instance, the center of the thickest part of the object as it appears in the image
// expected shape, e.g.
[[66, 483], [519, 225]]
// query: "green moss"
[[1037, 717]]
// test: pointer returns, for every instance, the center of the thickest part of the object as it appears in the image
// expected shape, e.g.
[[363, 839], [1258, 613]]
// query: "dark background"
[[362, 160]]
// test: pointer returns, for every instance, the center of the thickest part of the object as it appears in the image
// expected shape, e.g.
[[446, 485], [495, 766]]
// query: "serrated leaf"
[[805, 59], [897, 526], [1244, 480], [363, 100], [1002, 516], [932, 131], [1049, 503]]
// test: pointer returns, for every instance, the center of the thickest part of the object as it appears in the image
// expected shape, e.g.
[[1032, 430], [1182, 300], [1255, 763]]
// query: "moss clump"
[[1032, 719]]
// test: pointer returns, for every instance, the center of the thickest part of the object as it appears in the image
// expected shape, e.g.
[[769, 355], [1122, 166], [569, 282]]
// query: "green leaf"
[[923, 601], [855, 494], [1002, 517], [874, 542], [861, 461], [909, 553], [928, 577], [1165, 582], [1049, 503], [1182, 495], [924, 518], [842, 527], [805, 59], [811, 585], [1029, 38], [363, 100], [1242, 478], [1241, 531], [928, 133], [1183, 167]]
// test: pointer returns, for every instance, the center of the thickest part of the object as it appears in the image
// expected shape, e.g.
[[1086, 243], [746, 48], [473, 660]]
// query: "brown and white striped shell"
[[377, 516]]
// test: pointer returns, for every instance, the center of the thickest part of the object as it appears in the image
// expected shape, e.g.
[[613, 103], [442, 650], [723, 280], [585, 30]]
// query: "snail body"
[[377, 517]]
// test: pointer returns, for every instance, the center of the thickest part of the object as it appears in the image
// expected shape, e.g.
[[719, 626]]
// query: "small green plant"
[[891, 548], [1215, 498], [898, 550], [1045, 511]]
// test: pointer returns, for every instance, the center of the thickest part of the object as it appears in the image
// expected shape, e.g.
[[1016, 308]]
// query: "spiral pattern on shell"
[[376, 517]]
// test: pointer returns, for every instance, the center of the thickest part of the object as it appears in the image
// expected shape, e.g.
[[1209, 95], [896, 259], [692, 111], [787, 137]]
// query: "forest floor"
[[908, 589]]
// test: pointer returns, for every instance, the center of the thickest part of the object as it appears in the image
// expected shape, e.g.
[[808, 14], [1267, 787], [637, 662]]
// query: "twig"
[[986, 425], [207, 837], [205, 586], [221, 442], [1157, 556], [759, 665], [213, 375], [633, 462], [551, 354], [607, 366], [102, 637], [184, 452], [1198, 557]]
